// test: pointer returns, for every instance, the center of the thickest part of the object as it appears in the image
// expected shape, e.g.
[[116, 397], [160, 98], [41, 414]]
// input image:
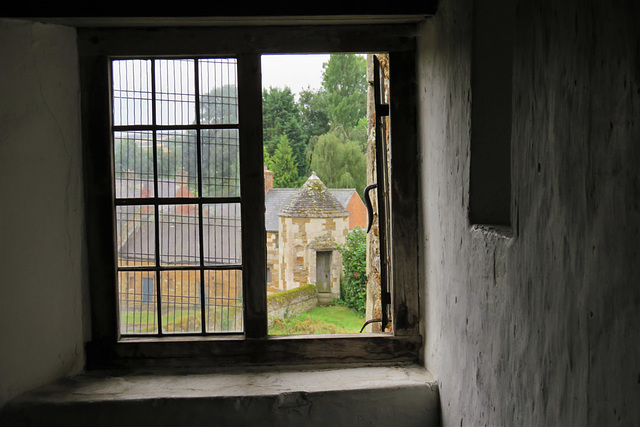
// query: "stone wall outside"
[[282, 305]]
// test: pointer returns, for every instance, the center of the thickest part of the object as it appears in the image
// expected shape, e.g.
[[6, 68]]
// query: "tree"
[[219, 147], [339, 162], [344, 83], [283, 166], [313, 112], [280, 115], [220, 105]]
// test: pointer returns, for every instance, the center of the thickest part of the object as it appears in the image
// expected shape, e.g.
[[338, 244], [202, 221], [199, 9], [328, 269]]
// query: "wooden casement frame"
[[106, 349]]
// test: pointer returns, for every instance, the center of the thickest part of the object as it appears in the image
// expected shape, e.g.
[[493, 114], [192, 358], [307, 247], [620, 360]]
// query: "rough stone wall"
[[273, 261], [536, 325], [282, 305], [300, 239]]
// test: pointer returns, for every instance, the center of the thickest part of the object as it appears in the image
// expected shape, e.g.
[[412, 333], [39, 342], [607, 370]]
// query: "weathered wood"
[[99, 210], [254, 243], [265, 40], [300, 350], [404, 194]]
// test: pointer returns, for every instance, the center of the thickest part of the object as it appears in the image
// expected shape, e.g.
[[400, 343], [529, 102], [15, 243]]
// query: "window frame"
[[156, 201], [247, 44]]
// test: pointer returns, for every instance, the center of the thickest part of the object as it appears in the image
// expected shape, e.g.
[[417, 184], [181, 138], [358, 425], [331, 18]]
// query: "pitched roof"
[[343, 195], [179, 241], [314, 200], [274, 201], [277, 199]]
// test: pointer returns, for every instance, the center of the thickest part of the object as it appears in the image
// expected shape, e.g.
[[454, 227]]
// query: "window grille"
[[175, 134]]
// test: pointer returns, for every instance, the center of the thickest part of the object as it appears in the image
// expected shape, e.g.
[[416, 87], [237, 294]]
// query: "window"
[[197, 183], [177, 195]]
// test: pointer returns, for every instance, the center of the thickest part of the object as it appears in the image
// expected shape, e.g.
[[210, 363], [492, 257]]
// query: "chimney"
[[268, 179]]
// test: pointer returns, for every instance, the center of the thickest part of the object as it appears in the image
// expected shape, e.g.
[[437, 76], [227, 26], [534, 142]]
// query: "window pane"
[[218, 85], [220, 163], [177, 156], [133, 164], [175, 91], [131, 92], [222, 234], [179, 235], [135, 235], [181, 161], [224, 300], [181, 311], [138, 303]]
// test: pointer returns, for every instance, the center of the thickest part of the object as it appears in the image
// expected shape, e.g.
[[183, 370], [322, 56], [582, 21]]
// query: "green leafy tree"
[[353, 289], [130, 157], [313, 111], [219, 147], [281, 115], [283, 166], [344, 83], [339, 162], [220, 105]]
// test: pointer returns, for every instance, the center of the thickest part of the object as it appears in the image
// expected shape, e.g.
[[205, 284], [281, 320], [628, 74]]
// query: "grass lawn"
[[320, 320]]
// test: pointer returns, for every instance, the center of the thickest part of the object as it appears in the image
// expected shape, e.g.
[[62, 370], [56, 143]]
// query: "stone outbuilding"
[[310, 227]]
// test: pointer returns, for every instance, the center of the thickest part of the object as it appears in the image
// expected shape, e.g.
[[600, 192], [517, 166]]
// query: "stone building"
[[304, 227]]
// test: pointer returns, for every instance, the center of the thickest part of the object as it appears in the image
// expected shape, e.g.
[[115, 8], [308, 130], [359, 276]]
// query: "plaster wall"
[[41, 225], [536, 323]]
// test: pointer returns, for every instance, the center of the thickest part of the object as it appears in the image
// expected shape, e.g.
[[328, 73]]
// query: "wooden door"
[[323, 271]]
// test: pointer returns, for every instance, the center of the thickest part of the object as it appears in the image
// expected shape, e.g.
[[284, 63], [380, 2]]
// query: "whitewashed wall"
[[41, 210], [540, 328]]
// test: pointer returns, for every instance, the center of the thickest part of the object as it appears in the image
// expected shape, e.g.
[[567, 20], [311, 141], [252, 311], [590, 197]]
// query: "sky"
[[295, 71], [298, 72]]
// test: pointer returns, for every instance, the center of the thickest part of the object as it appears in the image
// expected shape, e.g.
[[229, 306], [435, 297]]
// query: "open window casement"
[[378, 251]]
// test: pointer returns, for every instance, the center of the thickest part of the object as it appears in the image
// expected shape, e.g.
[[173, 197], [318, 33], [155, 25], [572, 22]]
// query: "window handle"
[[369, 321], [369, 206]]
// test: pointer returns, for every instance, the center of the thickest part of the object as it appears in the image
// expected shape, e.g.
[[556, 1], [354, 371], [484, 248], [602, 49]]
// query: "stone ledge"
[[399, 395]]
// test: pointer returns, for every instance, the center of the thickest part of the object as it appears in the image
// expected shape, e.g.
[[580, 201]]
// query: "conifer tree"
[[283, 165]]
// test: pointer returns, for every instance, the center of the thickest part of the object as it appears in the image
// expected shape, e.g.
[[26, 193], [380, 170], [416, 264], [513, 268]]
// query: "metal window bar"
[[188, 292]]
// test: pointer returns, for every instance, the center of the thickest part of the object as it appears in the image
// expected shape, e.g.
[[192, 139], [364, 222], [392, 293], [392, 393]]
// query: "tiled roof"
[[314, 200], [277, 199]]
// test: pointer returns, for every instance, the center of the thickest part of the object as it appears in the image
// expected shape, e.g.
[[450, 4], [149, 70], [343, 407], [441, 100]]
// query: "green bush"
[[353, 289]]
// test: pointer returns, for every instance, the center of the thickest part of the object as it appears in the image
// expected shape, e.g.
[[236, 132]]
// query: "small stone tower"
[[311, 226]]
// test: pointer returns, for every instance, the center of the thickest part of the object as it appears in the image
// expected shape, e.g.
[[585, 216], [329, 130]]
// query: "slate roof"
[[179, 242], [277, 199], [178, 227], [274, 201]]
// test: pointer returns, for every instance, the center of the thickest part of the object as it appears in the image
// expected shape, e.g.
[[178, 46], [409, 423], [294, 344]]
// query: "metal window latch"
[[369, 206], [369, 321]]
